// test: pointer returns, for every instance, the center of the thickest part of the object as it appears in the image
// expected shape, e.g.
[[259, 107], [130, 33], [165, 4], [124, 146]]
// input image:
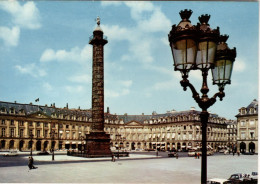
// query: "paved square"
[[138, 168]]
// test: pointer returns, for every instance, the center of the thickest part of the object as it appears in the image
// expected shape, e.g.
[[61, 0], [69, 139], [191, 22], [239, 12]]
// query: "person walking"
[[113, 158], [30, 163], [177, 156]]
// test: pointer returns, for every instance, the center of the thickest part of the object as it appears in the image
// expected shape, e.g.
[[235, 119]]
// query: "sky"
[[45, 53]]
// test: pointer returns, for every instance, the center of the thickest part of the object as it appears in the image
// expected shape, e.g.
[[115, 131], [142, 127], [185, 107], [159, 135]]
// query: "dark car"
[[43, 153], [172, 154]]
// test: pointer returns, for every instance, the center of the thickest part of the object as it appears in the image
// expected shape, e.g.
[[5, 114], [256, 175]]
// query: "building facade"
[[247, 128], [26, 126]]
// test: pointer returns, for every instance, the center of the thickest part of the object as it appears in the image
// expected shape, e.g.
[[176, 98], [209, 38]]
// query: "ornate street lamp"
[[82, 143], [200, 47], [118, 137], [31, 143], [52, 134]]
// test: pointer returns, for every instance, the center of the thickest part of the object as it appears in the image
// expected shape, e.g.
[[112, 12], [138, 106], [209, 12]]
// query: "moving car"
[[11, 153]]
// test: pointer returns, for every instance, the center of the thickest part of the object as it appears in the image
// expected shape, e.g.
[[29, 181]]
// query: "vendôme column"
[[98, 142]]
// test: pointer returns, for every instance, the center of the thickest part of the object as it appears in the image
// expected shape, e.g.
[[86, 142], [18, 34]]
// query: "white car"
[[11, 153], [218, 181]]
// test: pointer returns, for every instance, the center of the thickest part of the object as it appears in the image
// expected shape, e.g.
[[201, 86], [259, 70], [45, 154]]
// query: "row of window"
[[38, 124], [243, 111], [244, 123]]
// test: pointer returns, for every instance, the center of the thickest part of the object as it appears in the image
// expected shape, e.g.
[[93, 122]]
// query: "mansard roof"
[[52, 110], [141, 118], [30, 109], [253, 104]]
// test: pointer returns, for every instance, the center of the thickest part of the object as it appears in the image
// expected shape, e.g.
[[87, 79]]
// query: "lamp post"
[[201, 48], [118, 136], [52, 134], [157, 154], [31, 137], [82, 143]]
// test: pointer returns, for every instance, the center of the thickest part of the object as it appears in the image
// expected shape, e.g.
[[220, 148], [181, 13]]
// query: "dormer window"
[[12, 111], [21, 111], [243, 111], [252, 111], [3, 110]]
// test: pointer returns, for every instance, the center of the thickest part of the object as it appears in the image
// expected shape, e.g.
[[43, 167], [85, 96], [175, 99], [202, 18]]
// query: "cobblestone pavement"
[[139, 168]]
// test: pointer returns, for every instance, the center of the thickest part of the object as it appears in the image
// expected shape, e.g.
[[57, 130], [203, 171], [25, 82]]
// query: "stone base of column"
[[97, 145]]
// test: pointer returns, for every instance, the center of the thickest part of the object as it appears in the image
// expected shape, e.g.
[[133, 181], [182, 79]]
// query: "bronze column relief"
[[98, 142]]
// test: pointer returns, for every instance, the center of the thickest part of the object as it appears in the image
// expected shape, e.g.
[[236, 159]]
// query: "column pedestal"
[[98, 145]]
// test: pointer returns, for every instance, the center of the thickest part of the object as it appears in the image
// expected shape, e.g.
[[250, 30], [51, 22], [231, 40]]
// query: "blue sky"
[[45, 54]]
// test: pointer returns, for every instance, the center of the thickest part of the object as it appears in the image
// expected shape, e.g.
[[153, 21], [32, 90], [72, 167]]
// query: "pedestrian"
[[113, 158], [198, 154], [30, 163], [233, 153], [177, 156], [195, 155]]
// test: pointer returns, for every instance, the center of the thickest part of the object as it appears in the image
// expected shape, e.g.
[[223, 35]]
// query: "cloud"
[[10, 36], [122, 88], [74, 89], [31, 69], [108, 3], [167, 85], [80, 78], [114, 94], [149, 20], [47, 86], [127, 83], [239, 65], [137, 8], [76, 54], [25, 16]]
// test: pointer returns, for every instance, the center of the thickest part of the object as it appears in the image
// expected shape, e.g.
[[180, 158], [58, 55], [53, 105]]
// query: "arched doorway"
[[2, 146], [133, 146], [38, 146], [53, 145], [252, 147], [138, 145], [45, 145], [178, 146], [184, 147], [11, 144], [21, 144], [67, 145], [30, 144], [60, 145], [242, 147]]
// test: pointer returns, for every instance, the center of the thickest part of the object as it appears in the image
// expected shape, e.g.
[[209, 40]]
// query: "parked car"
[[11, 153], [236, 178], [43, 153], [218, 181], [254, 176], [191, 153], [172, 154]]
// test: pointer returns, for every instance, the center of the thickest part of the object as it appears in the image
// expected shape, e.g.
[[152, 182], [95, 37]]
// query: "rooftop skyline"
[[45, 54]]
